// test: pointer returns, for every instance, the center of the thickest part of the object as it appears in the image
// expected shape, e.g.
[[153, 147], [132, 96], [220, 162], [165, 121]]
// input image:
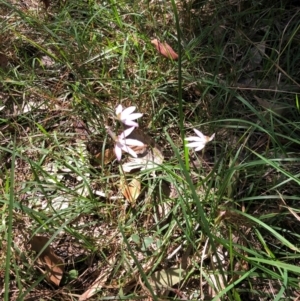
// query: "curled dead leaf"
[[165, 49], [54, 265], [108, 156], [131, 191]]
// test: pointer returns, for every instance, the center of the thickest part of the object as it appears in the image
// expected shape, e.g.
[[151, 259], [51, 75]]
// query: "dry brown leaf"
[[165, 49], [54, 265], [109, 155], [131, 191]]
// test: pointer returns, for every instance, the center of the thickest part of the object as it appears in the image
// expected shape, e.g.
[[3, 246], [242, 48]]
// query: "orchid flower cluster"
[[127, 117]]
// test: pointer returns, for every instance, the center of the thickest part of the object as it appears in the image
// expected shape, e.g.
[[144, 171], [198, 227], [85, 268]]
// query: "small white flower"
[[199, 141], [121, 143], [127, 116]]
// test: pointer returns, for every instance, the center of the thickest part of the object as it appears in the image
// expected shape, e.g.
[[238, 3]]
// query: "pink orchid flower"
[[199, 141], [121, 143], [127, 116]]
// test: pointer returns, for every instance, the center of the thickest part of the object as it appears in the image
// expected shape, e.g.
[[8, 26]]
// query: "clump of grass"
[[220, 224]]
